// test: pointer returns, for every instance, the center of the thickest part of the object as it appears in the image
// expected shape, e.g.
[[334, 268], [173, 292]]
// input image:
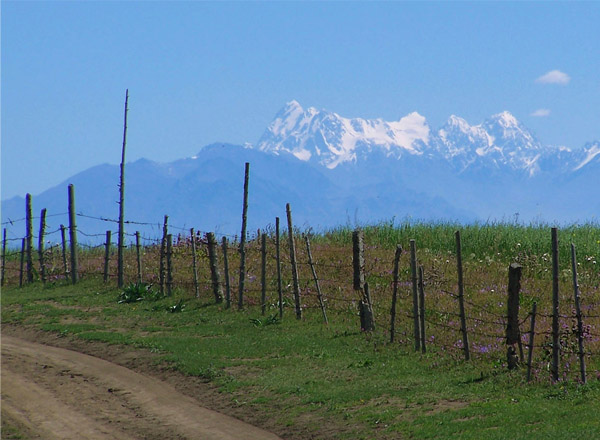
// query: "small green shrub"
[[135, 292]]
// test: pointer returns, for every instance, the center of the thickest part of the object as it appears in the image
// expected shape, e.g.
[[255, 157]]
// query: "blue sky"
[[201, 72]]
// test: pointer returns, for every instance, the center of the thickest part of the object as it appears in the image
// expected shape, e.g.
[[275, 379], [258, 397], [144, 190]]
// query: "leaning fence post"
[[513, 334], [226, 274], [63, 236], [138, 251], [422, 308], [194, 264], [395, 293], [121, 240], [531, 335], [555, 310], [41, 245], [163, 245], [278, 261], [415, 292], [314, 273], [169, 264], [107, 254], [263, 273], [293, 261], [73, 235], [29, 227], [578, 314], [3, 256], [461, 304], [23, 248], [214, 268], [243, 239]]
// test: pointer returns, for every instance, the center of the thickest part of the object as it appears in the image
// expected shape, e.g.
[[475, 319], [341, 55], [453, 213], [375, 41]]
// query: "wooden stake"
[[358, 259], [63, 236], [194, 264], [578, 314], [21, 271], [29, 227], [555, 310], [531, 335], [121, 245], [422, 308], [513, 334], [138, 251], [107, 254], [73, 236], [169, 264], [226, 274], [395, 293], [3, 256], [243, 239], [461, 294], [415, 292], [41, 238], [314, 273], [293, 261], [278, 259], [163, 247], [214, 268]]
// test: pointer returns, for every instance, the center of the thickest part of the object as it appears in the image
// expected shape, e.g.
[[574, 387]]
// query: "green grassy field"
[[335, 381]]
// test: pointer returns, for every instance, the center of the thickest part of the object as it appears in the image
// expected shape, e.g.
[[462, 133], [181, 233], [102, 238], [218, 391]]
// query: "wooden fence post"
[[513, 334], [3, 256], [21, 271], [214, 268], [63, 236], [314, 273], [531, 335], [121, 244], [226, 274], [278, 262], [422, 308], [243, 239], [194, 264], [29, 227], [107, 254], [578, 314], [415, 294], [263, 273], [461, 294], [296, 283], [41, 238], [163, 247], [365, 308], [73, 236], [169, 280], [394, 293], [138, 251], [358, 259], [555, 309]]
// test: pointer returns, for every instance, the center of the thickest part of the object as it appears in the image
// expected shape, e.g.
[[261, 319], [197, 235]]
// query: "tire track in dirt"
[[62, 394]]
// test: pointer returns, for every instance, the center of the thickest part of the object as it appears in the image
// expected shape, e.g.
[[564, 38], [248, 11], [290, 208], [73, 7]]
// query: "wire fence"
[[485, 297]]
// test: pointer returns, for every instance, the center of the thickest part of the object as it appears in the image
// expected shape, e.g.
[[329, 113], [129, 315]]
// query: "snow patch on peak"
[[505, 119], [590, 154]]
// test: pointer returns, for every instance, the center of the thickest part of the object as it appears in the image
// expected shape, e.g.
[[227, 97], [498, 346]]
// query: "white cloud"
[[554, 77], [541, 112]]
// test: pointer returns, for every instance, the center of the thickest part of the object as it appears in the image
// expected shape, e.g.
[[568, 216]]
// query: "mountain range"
[[337, 171]]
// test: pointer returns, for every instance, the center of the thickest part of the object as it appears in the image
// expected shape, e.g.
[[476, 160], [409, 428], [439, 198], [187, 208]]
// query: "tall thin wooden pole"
[[317, 285], [122, 200], [194, 264], [3, 256], [73, 235], [243, 239], [422, 308], [578, 314], [295, 281], [163, 247], [278, 262], [224, 246], [107, 254], [395, 293], [214, 267], [461, 294], [63, 236], [531, 336], [29, 227], [358, 259], [263, 273], [138, 249], [415, 294], [21, 271], [555, 310], [41, 238]]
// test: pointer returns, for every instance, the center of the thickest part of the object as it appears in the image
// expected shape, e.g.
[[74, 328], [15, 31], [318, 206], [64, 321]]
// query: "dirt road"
[[55, 393]]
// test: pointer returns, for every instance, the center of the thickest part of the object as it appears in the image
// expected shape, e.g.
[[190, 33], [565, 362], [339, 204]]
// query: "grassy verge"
[[332, 382]]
